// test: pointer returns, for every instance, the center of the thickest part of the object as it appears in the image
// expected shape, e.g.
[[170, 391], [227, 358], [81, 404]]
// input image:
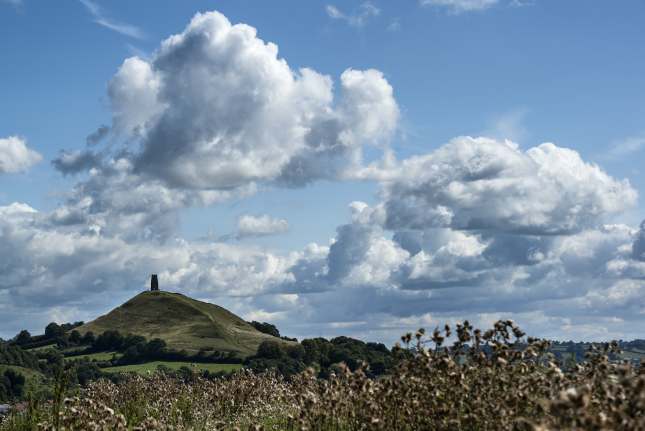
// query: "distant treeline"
[[54, 334], [324, 356], [572, 350], [14, 355]]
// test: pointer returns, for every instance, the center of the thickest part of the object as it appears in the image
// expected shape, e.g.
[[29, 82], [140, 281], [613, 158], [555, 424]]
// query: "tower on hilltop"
[[154, 283]]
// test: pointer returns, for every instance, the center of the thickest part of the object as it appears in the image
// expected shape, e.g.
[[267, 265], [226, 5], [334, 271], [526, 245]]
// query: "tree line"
[[324, 356]]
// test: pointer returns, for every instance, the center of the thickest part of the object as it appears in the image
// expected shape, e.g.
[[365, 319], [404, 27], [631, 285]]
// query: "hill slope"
[[182, 322]]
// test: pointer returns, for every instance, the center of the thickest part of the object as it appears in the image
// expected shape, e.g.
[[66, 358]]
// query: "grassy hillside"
[[182, 322]]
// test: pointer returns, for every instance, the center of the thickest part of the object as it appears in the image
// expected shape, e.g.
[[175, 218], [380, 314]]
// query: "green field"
[[72, 350], [100, 356], [152, 366], [43, 348], [183, 323]]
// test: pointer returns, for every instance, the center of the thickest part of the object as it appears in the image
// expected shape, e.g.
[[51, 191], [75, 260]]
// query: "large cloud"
[[216, 108], [213, 114], [483, 184], [15, 156]]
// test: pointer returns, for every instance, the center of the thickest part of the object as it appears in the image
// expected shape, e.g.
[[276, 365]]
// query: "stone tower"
[[154, 283]]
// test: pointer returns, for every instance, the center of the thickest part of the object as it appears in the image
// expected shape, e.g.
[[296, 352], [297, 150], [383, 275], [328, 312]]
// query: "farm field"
[[152, 366], [100, 356], [42, 348]]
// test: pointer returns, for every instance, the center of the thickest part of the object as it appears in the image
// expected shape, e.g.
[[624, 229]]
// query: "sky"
[[360, 168]]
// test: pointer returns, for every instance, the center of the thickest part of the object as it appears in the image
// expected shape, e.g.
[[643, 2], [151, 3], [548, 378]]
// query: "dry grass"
[[483, 381]]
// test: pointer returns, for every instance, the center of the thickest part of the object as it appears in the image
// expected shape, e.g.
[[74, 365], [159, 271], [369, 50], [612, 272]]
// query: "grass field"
[[72, 350], [42, 348], [100, 356], [152, 366]]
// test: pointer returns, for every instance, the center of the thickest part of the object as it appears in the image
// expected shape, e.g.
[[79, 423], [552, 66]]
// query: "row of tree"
[[54, 334], [324, 355]]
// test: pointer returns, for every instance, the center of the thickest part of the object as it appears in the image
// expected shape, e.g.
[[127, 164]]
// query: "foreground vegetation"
[[483, 381]]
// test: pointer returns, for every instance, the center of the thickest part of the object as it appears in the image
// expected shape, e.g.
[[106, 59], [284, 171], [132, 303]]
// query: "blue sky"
[[570, 73]]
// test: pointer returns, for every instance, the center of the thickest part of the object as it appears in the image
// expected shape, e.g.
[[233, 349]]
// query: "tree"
[[85, 372], [53, 357], [296, 352], [270, 349], [266, 328], [88, 338], [75, 337], [109, 340], [132, 340], [155, 348], [23, 337], [13, 382], [133, 354], [4, 392], [53, 330]]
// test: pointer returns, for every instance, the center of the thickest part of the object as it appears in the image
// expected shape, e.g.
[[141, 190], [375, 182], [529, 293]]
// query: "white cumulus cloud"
[[216, 108], [15, 156], [253, 226], [481, 183]]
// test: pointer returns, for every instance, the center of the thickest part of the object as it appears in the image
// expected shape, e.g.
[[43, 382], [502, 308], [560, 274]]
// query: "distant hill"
[[183, 323]]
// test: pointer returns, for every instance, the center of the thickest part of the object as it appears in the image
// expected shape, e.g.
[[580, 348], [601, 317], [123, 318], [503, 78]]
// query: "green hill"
[[183, 323]]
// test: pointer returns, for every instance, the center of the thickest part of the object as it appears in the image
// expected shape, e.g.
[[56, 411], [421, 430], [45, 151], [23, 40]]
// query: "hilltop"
[[182, 322]]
